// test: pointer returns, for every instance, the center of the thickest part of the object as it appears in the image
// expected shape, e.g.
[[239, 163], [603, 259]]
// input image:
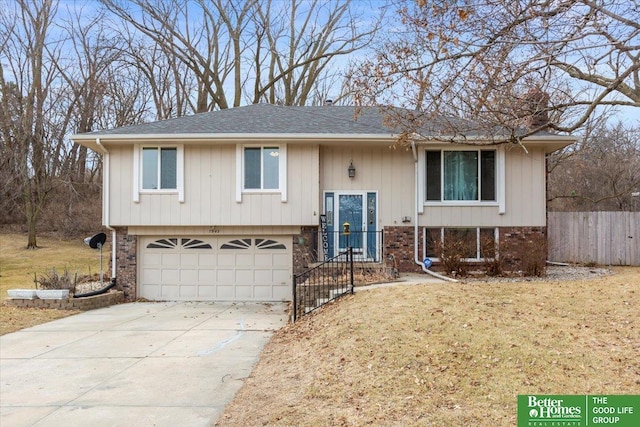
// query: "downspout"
[[105, 189], [416, 230]]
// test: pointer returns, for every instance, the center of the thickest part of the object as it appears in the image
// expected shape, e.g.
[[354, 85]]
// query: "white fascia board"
[[89, 141]]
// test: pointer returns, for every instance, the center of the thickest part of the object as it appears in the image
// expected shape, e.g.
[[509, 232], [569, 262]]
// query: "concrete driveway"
[[143, 364]]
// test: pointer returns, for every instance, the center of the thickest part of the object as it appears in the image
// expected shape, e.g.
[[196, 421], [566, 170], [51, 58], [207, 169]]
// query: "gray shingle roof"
[[266, 119]]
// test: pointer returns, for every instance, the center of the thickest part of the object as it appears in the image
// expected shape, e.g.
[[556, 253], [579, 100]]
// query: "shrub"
[[451, 254], [493, 264], [53, 280]]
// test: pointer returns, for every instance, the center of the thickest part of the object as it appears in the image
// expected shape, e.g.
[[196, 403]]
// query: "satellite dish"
[[96, 241]]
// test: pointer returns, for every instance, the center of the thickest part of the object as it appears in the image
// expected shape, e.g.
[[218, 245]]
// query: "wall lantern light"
[[351, 170]]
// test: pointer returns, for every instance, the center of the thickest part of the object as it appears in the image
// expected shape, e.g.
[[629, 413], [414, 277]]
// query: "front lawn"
[[447, 354], [18, 265]]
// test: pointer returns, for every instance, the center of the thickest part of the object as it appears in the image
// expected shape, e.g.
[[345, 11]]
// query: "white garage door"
[[216, 268]]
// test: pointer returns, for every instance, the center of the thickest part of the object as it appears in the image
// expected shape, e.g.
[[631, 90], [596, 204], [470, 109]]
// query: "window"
[[261, 168], [460, 175], [159, 168], [470, 243]]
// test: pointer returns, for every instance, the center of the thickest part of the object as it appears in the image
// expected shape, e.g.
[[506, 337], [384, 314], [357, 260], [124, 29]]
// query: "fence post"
[[295, 299], [351, 268]]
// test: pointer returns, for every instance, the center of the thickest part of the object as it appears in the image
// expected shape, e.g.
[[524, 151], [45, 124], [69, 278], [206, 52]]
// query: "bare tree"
[[25, 91], [504, 64], [248, 51], [295, 49], [600, 172]]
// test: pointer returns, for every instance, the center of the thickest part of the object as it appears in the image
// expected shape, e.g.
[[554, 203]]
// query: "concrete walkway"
[[142, 364], [403, 280]]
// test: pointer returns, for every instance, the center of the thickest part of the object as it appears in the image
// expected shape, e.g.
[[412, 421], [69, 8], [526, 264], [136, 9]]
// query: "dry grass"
[[447, 354], [18, 265]]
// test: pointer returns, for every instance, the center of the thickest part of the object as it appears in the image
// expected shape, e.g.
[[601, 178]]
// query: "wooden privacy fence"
[[607, 238]]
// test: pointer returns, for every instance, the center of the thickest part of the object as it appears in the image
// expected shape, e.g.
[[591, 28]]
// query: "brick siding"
[[305, 249], [399, 244], [127, 262]]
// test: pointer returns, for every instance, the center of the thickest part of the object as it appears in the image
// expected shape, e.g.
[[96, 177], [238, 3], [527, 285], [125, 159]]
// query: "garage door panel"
[[216, 268], [207, 292], [280, 276], [206, 259], [261, 260], [207, 276], [262, 291], [188, 276], [244, 276], [244, 292], [169, 291], [171, 259], [225, 292], [226, 259], [152, 275], [151, 291], [188, 291], [226, 276], [244, 260], [280, 259], [190, 259], [152, 258], [170, 276]]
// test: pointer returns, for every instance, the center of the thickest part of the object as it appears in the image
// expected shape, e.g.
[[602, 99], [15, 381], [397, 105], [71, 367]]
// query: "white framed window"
[[456, 176], [473, 243], [261, 169], [158, 169]]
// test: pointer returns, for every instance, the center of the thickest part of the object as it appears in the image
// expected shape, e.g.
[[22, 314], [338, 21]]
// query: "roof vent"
[[328, 102]]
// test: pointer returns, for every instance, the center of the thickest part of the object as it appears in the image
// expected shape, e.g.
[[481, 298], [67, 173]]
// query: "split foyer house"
[[228, 205]]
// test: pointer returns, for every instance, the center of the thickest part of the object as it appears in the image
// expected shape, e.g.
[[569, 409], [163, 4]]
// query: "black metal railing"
[[317, 286], [366, 245]]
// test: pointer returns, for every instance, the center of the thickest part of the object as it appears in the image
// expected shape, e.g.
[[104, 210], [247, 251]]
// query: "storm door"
[[352, 220]]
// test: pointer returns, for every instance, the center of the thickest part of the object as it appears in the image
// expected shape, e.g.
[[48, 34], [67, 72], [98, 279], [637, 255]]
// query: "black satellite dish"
[[96, 242]]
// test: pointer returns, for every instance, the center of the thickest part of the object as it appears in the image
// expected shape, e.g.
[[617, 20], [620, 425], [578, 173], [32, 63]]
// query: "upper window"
[[159, 168], [261, 168], [460, 175]]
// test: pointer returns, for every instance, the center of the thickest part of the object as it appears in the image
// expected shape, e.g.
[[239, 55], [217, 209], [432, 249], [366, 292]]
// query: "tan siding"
[[387, 171], [525, 198], [210, 174], [209, 186]]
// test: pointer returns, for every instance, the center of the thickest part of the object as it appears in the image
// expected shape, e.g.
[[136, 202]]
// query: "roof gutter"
[[106, 206]]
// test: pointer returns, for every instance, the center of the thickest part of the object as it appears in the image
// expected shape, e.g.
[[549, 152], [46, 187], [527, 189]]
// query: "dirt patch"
[[447, 354]]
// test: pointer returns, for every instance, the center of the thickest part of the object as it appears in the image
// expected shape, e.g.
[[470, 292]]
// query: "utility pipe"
[[105, 188], [416, 230]]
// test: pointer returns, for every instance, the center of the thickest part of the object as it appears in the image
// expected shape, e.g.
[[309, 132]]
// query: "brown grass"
[[447, 354], [18, 265]]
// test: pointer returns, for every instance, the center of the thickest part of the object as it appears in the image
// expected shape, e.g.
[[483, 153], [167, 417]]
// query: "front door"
[[359, 211]]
